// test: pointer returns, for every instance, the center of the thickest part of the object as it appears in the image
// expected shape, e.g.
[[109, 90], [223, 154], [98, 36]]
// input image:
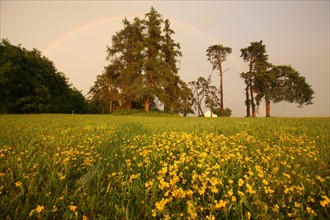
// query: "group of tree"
[[142, 74], [30, 83], [272, 83], [207, 94], [142, 70]]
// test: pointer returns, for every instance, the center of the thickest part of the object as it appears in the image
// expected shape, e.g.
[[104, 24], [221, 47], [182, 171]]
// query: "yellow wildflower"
[[265, 182], [160, 205], [325, 202], [220, 204], [85, 217], [240, 182], [310, 211], [39, 208], [210, 217], [18, 183], [73, 207]]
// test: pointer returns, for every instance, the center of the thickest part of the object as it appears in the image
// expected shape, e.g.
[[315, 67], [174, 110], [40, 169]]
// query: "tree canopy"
[[30, 83], [143, 68]]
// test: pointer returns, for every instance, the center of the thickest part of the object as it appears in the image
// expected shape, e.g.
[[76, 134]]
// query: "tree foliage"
[[283, 83], [257, 60], [30, 83], [273, 83], [142, 69]]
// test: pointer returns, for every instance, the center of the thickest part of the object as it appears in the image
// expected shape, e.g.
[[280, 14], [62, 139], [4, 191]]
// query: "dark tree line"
[[30, 83]]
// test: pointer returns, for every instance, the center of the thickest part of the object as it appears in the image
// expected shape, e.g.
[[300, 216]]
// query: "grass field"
[[144, 167]]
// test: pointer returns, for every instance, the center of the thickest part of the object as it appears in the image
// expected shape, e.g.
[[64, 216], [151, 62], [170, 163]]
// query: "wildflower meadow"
[[163, 167]]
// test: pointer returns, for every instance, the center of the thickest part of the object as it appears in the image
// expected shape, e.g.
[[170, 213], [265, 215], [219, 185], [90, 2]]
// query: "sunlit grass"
[[138, 167]]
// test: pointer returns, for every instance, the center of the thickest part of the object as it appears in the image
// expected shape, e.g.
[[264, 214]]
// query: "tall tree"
[[217, 55], [126, 54], [170, 81], [154, 63], [283, 83], [257, 59]]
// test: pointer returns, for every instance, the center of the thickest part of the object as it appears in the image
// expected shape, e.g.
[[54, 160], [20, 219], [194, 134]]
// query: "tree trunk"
[[222, 111], [201, 113], [111, 100], [111, 104], [251, 91], [247, 102], [147, 103], [267, 107]]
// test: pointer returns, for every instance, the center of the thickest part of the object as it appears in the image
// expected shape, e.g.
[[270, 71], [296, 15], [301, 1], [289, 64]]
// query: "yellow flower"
[[18, 183], [85, 217], [310, 211], [210, 217], [39, 208], [265, 182], [32, 212], [240, 182], [220, 204], [325, 202], [73, 207], [160, 205]]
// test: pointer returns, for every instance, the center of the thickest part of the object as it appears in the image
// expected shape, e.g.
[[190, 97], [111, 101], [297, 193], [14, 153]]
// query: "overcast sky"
[[74, 35]]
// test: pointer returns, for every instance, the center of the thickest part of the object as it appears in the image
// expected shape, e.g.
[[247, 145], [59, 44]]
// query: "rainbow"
[[54, 43]]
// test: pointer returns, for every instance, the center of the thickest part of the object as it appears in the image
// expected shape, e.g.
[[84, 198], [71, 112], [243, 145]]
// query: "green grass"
[[138, 166]]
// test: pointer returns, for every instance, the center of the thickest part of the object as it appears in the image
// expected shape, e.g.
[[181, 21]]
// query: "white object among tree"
[[209, 114]]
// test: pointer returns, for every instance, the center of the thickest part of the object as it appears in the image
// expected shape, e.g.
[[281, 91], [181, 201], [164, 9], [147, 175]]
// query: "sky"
[[74, 35]]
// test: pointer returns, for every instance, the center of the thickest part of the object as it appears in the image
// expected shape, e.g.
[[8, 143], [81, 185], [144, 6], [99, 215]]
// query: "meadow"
[[162, 167]]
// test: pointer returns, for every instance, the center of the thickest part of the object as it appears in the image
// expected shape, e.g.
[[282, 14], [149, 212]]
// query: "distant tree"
[[217, 55], [104, 91], [200, 90], [228, 112], [186, 99], [283, 83], [257, 58], [212, 100]]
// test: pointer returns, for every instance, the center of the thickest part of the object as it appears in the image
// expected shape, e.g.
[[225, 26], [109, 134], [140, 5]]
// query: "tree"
[[212, 100], [217, 55], [257, 58], [30, 83], [228, 112], [283, 83], [104, 93], [144, 55], [186, 99], [154, 63], [126, 59], [200, 89], [170, 81]]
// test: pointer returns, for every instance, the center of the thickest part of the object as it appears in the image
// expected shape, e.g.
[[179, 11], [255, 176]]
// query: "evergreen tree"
[[283, 83], [257, 58]]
